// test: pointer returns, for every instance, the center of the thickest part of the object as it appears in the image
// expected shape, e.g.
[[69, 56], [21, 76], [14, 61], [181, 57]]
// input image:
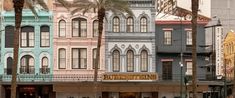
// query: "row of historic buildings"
[[141, 56]]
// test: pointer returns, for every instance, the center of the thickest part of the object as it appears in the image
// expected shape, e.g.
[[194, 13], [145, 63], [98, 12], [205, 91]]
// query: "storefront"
[[29, 91]]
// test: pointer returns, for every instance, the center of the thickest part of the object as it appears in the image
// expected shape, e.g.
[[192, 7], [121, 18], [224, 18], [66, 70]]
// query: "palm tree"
[[18, 7], [194, 49], [100, 7]]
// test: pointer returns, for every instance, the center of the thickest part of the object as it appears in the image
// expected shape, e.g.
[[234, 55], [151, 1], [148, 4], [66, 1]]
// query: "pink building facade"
[[75, 41]]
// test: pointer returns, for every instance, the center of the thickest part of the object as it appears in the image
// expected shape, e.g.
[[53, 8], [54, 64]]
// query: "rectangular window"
[[79, 58], [23, 39], [27, 37], [189, 66], [167, 70], [94, 58], [45, 40], [83, 28], [95, 28], [189, 38], [79, 27], [9, 35], [62, 58], [167, 37], [31, 39], [75, 28]]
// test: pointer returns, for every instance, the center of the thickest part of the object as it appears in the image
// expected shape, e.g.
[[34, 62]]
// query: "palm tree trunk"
[[18, 5], [194, 48], [101, 14]]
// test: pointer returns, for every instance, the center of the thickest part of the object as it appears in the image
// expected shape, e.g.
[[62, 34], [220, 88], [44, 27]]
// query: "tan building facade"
[[229, 54]]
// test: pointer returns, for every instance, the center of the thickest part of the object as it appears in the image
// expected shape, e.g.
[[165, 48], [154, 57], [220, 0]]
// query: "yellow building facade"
[[229, 54]]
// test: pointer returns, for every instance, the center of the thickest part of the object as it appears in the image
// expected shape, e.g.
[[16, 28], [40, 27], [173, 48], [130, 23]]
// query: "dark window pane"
[[9, 36]]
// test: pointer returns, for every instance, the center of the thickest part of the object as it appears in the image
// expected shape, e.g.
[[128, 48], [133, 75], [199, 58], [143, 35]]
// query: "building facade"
[[229, 55], [130, 52], [174, 57], [35, 66], [75, 41]]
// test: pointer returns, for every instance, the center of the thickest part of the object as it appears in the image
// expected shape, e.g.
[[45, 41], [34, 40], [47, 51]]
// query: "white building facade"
[[130, 52]]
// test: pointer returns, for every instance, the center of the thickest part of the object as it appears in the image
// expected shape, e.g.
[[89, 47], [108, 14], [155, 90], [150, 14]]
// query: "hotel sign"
[[130, 76]]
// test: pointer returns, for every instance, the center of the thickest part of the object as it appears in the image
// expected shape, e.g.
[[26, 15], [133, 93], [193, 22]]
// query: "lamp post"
[[181, 78]]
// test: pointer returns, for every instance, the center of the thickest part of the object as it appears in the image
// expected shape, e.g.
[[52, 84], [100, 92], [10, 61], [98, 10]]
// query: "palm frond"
[[65, 3], [43, 4], [29, 3], [82, 1], [84, 6], [119, 5]]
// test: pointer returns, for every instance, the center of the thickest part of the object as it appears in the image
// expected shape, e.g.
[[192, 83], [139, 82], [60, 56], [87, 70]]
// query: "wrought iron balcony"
[[27, 70], [74, 77], [50, 78], [177, 77], [8, 71], [44, 70]]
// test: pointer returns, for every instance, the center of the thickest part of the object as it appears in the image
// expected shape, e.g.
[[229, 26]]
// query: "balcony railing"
[[44, 70], [89, 77], [177, 77], [50, 78], [27, 70], [8, 71]]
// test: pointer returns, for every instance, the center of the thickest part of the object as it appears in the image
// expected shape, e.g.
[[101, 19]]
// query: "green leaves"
[[86, 6]]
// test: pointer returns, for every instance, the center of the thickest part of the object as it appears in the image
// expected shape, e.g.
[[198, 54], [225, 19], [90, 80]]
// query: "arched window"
[[143, 24], [116, 24], [130, 61], [116, 61], [27, 65], [62, 28], [62, 58], [27, 36], [9, 35], [144, 61], [45, 66], [130, 24], [79, 27], [9, 65], [45, 36], [95, 28]]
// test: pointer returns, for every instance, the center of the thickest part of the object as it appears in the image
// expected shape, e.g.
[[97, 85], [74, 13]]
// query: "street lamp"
[[181, 78]]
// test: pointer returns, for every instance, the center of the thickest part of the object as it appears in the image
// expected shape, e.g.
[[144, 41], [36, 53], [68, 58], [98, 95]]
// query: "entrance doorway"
[[128, 95], [27, 92]]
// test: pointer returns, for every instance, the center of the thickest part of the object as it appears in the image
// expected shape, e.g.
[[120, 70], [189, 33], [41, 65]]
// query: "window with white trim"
[[45, 36], [79, 27], [116, 24], [130, 24], [144, 61], [62, 59], [79, 58], [27, 36], [94, 51], [116, 61], [167, 37], [62, 28], [130, 61], [189, 40], [189, 67], [143, 24], [95, 28]]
